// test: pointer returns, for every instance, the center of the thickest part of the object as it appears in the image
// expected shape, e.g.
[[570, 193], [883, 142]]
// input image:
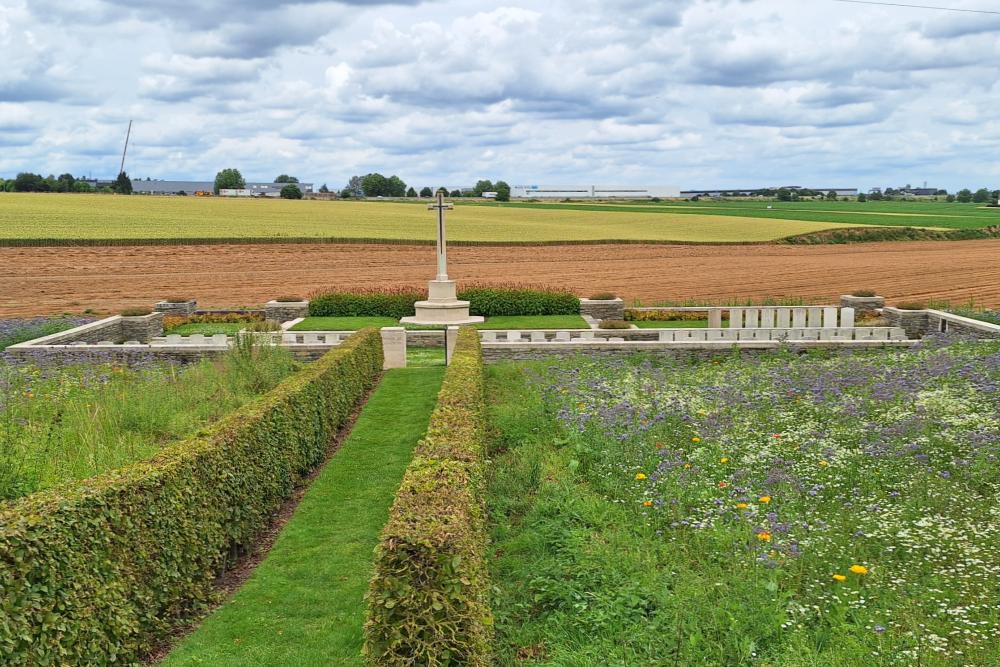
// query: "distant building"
[[194, 187], [592, 192], [489, 195], [751, 192]]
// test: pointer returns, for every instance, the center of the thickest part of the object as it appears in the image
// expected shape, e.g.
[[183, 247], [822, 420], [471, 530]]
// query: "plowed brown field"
[[47, 280]]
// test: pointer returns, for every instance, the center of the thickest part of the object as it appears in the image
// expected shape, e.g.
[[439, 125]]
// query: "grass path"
[[303, 605]]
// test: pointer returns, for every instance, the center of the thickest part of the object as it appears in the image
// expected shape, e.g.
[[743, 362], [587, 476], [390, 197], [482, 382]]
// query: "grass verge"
[[210, 328], [304, 605]]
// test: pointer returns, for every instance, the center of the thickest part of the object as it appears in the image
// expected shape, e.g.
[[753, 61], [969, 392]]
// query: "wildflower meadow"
[[779, 510]]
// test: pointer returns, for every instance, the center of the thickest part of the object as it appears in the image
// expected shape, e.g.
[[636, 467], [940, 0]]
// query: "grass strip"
[[498, 322], [304, 604]]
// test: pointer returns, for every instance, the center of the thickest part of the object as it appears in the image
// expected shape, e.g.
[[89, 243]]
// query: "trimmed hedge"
[[428, 603], [100, 570], [485, 300]]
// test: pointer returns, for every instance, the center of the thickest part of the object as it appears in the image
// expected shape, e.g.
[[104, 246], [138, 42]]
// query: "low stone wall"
[[110, 328], [126, 355], [501, 352], [283, 311], [941, 322], [418, 338], [610, 309]]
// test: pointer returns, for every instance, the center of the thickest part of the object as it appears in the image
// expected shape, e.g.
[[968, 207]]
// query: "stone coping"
[[641, 345]]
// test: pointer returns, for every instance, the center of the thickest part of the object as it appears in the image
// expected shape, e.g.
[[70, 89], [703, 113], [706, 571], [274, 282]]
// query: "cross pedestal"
[[442, 305]]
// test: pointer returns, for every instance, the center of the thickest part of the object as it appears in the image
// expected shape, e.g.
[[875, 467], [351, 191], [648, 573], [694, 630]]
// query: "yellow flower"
[[859, 569], [824, 463], [687, 466], [724, 459], [696, 440], [648, 503], [765, 499], [764, 536], [741, 506], [640, 476], [839, 577]]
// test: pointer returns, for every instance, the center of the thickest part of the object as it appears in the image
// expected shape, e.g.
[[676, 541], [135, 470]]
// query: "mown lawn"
[[303, 606], [500, 322], [782, 511], [207, 328]]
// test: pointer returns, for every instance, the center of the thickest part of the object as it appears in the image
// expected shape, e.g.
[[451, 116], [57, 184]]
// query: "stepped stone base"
[[443, 307]]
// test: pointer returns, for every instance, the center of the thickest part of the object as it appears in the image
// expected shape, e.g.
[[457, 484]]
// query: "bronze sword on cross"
[[442, 245]]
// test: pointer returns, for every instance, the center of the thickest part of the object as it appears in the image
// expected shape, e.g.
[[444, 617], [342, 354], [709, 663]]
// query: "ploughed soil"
[[44, 280]]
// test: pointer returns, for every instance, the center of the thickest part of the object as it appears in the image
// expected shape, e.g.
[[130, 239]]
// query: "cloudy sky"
[[694, 93]]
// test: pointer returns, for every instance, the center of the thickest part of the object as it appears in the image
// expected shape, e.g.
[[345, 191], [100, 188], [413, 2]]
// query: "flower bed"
[[839, 509]]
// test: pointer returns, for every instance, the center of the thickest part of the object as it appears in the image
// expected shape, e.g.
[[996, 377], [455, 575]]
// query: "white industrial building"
[[593, 191], [192, 187]]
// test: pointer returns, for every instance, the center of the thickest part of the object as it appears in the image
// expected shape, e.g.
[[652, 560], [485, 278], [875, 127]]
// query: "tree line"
[[377, 185]]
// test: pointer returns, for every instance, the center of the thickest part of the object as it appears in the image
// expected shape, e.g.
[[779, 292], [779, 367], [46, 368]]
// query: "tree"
[[481, 187], [354, 188], [291, 191], [964, 196], [862, 197], [950, 199], [64, 183], [831, 196], [442, 190], [229, 179], [375, 185], [503, 190], [784, 194], [285, 178], [123, 184], [456, 193], [324, 189], [426, 192], [982, 196], [397, 188], [411, 193]]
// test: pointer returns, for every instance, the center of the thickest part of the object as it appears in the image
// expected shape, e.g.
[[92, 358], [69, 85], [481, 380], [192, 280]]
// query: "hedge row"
[[664, 315], [98, 571], [428, 603], [486, 300]]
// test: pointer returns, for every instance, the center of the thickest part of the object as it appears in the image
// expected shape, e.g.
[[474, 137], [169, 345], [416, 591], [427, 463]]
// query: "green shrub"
[[514, 299], [428, 603], [394, 302], [289, 299], [486, 300], [863, 293], [98, 571], [136, 312], [615, 324], [912, 305], [602, 296]]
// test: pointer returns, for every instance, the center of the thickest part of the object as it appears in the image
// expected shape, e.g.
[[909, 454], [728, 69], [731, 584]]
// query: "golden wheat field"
[[64, 216]]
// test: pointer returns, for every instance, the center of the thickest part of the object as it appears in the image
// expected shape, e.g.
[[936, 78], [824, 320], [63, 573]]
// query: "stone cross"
[[442, 245]]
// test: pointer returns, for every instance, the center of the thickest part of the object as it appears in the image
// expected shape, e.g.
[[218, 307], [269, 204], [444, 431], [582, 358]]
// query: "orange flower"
[[839, 577], [859, 569], [741, 506], [659, 445], [647, 503], [764, 536], [765, 499], [696, 440], [723, 485]]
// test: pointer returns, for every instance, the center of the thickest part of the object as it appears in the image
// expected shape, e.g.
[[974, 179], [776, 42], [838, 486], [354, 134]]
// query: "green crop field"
[[881, 213], [115, 219]]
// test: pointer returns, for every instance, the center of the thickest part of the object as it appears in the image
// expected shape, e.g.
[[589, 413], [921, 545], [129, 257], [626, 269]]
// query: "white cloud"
[[728, 93]]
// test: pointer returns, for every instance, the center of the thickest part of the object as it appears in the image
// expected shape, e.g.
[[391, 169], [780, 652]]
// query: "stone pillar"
[[450, 340], [180, 308], [393, 347], [862, 304], [603, 309], [142, 328], [914, 322], [284, 311]]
